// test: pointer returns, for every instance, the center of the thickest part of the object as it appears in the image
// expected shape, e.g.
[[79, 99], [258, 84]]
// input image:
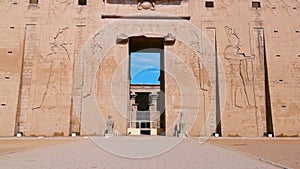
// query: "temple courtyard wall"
[[232, 68]]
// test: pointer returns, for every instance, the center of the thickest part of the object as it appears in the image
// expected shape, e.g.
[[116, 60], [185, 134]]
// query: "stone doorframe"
[[115, 32]]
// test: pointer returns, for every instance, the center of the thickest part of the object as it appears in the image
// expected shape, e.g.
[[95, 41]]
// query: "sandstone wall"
[[57, 74]]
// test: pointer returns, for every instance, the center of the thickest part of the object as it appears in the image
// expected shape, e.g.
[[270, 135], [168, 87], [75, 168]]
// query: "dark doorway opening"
[[142, 100], [143, 113], [145, 132]]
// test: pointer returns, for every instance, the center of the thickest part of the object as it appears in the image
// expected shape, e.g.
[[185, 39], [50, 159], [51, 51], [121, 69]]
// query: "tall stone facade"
[[231, 67]]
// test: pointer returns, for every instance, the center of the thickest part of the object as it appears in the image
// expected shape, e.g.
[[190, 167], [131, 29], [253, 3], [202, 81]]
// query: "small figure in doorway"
[[110, 125], [179, 127], [181, 124]]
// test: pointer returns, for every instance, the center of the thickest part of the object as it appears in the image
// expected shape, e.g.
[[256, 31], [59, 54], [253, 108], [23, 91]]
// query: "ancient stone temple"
[[226, 67]]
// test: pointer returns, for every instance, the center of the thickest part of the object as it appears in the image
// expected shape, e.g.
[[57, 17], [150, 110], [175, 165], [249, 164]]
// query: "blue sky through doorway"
[[144, 68]]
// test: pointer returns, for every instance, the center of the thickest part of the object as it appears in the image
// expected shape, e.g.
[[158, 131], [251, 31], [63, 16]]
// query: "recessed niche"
[[294, 7], [297, 31], [277, 55], [255, 4], [283, 106], [275, 31], [10, 52], [280, 80], [3, 104], [273, 7], [82, 2], [80, 25], [299, 56], [7, 77], [33, 1], [209, 4], [12, 27]]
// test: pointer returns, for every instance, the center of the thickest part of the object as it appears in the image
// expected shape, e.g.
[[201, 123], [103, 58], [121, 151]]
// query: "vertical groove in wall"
[[260, 44], [211, 123], [269, 120], [71, 115], [75, 114], [26, 77], [17, 122], [162, 86], [218, 109]]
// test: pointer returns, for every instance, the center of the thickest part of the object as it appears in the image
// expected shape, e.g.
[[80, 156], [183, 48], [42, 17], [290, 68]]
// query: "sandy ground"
[[10, 145], [121, 152], [285, 151]]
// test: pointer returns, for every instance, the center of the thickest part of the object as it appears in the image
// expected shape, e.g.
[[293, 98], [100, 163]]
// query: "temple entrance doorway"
[[146, 115]]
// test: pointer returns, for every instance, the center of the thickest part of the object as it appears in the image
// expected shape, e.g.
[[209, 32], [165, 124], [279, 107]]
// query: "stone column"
[[154, 114], [133, 110]]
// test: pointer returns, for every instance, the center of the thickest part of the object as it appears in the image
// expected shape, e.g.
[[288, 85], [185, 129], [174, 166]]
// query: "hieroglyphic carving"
[[91, 64], [58, 7], [223, 8], [201, 67], [195, 60], [58, 60], [59, 42], [31, 41], [283, 4], [196, 43], [6, 5], [239, 74]]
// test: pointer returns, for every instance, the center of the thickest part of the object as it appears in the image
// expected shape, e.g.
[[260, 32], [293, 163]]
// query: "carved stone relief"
[[146, 4], [6, 5], [239, 73], [57, 61], [58, 7], [106, 38]]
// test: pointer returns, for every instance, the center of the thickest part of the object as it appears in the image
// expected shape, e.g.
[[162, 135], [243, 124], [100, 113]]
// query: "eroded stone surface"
[[62, 68]]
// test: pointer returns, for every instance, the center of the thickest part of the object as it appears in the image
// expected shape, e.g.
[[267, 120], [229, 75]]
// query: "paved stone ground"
[[285, 151], [91, 153]]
